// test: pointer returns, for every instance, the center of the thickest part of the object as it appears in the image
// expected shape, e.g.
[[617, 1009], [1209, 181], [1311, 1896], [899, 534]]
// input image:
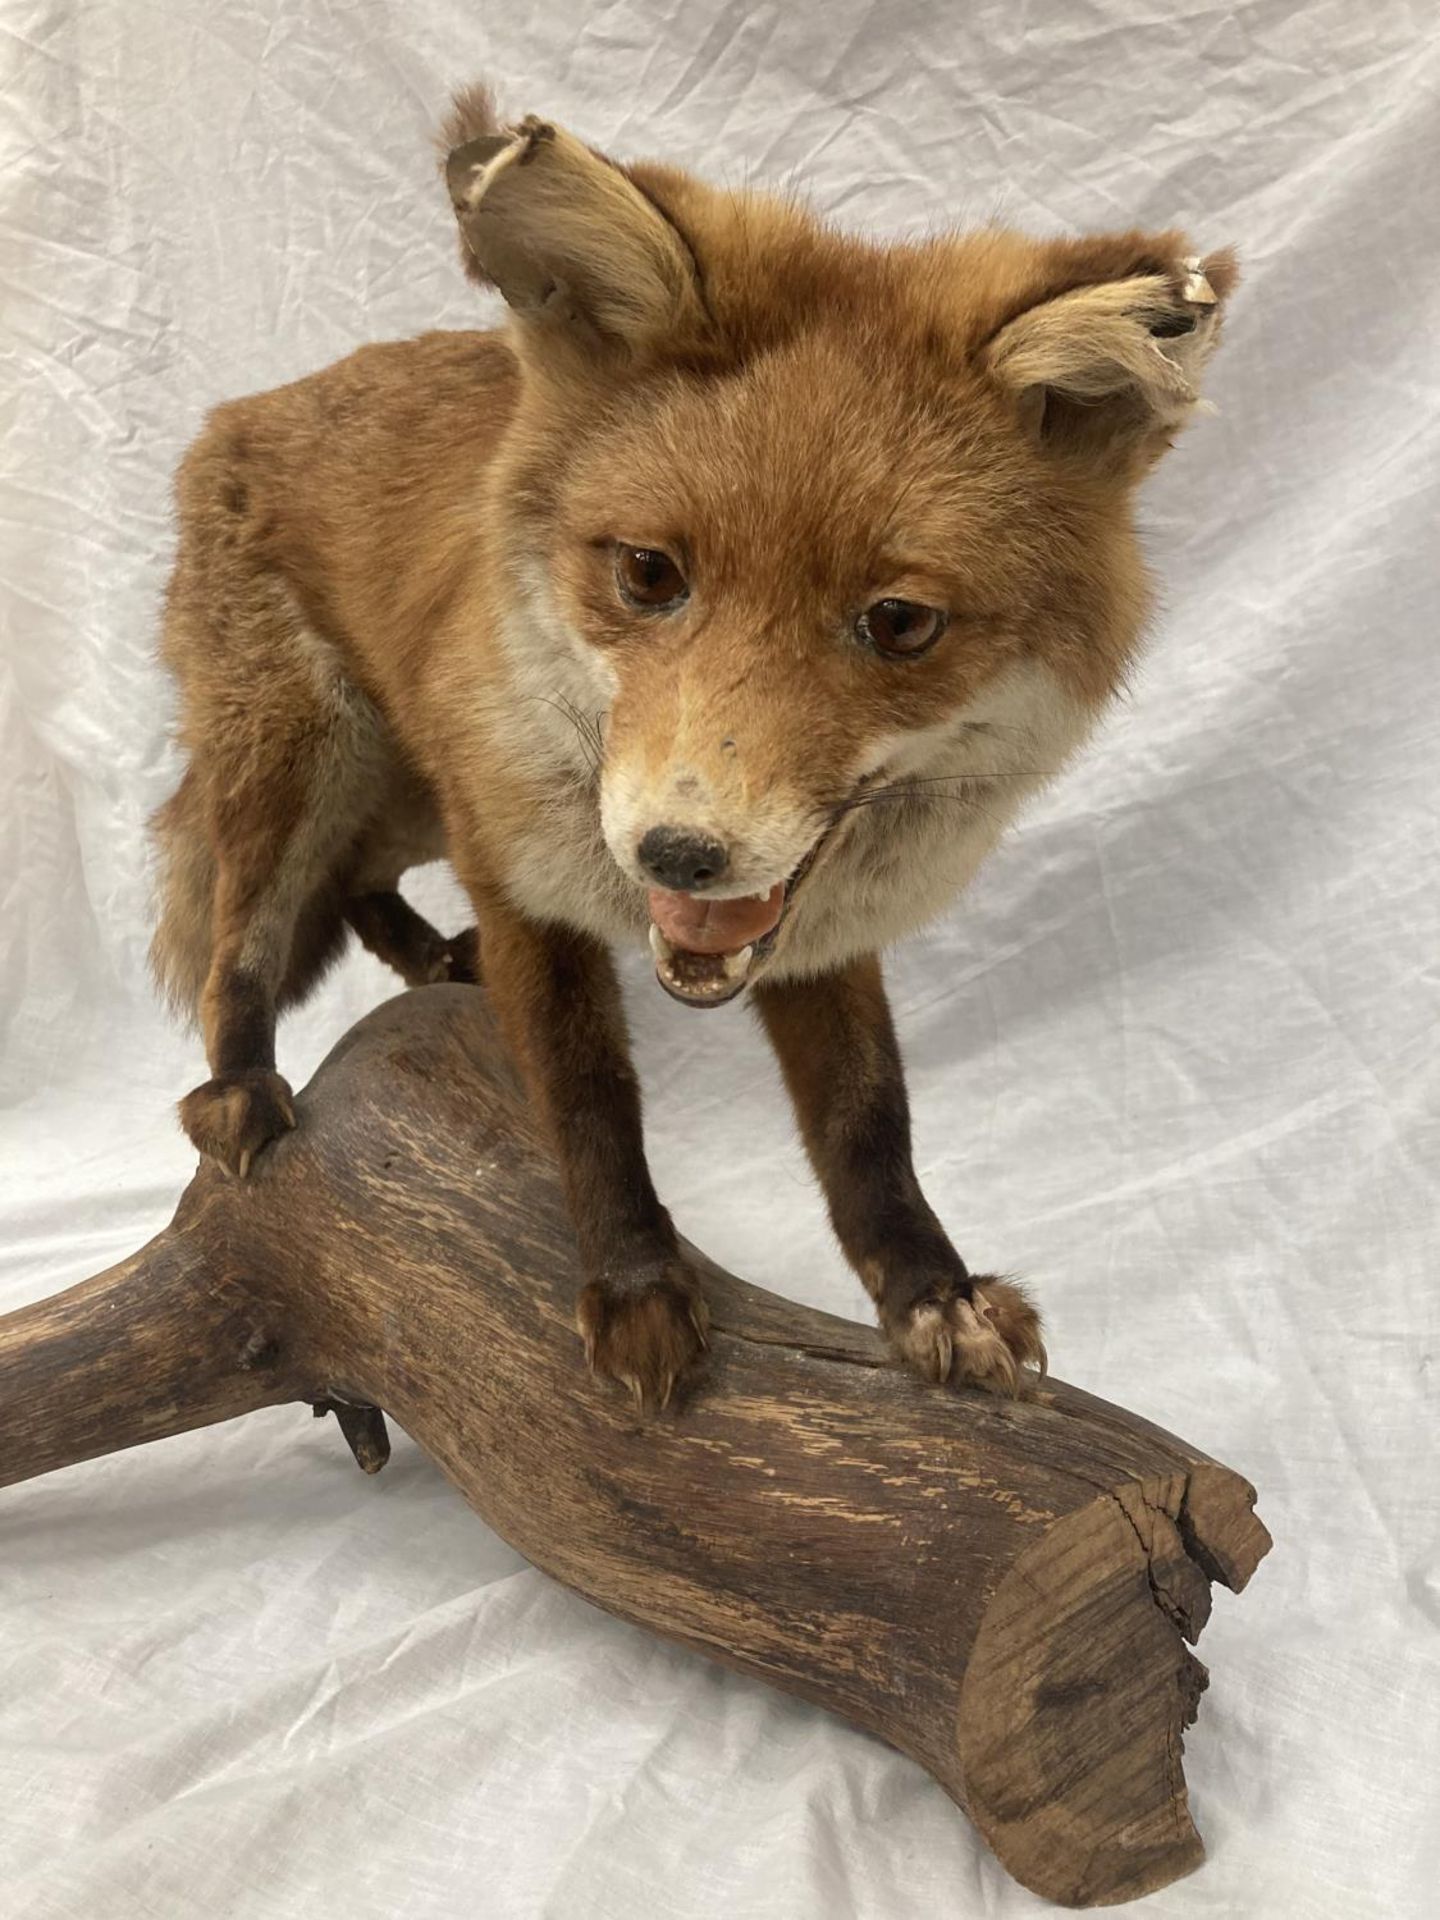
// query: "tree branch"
[[1002, 1589]]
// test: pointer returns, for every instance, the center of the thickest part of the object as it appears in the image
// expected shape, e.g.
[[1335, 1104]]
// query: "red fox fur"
[[734, 595]]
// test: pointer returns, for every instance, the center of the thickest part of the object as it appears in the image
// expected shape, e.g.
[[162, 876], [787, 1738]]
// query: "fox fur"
[[399, 634]]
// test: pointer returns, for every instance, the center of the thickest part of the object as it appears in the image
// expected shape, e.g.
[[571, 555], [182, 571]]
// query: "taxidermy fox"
[[733, 597]]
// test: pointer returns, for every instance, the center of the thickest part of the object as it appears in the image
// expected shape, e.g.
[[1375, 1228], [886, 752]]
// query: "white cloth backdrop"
[[1172, 1058]]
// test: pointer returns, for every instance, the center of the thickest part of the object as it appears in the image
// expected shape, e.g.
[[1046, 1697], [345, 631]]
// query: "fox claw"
[[647, 1334]]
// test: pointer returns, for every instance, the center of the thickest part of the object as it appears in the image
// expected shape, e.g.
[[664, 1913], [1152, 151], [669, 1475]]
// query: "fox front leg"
[[837, 1049], [641, 1313]]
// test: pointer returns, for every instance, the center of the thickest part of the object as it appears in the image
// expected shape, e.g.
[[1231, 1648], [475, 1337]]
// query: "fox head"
[[802, 508]]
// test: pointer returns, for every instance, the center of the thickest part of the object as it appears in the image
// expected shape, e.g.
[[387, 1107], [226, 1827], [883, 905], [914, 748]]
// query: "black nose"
[[679, 858]]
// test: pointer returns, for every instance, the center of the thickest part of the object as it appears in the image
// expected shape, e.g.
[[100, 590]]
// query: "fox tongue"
[[697, 925]]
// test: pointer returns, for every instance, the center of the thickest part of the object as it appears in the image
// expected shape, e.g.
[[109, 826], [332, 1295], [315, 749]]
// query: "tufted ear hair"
[[580, 254], [1103, 347]]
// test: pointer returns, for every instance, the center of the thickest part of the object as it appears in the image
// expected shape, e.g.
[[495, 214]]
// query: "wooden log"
[[1002, 1589]]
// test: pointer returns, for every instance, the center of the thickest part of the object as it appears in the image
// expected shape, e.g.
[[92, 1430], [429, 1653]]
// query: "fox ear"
[[569, 240], [1104, 349]]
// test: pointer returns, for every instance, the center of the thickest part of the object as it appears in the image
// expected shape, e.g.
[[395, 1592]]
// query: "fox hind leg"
[[391, 929], [281, 805], [277, 924], [406, 831]]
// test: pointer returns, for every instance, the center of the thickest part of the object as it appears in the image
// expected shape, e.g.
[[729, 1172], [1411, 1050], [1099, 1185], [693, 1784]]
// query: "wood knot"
[[260, 1352]]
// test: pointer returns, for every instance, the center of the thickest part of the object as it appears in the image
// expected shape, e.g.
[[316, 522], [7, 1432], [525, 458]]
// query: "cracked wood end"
[[1001, 1589]]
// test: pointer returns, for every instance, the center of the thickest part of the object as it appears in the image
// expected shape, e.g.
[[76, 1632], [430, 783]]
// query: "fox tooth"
[[660, 946], [737, 965]]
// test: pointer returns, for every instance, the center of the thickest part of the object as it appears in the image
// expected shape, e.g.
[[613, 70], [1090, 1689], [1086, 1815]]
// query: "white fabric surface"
[[1172, 1058]]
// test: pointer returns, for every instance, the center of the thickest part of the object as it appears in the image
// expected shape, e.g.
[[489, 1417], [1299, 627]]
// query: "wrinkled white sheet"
[[1173, 1058]]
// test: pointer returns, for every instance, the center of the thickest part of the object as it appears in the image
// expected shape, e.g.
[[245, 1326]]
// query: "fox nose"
[[680, 858]]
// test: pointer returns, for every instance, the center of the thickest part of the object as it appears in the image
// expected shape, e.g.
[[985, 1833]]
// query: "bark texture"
[[1002, 1589]]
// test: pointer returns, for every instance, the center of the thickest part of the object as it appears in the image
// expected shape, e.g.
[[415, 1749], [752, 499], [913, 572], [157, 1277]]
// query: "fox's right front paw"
[[646, 1330], [233, 1116]]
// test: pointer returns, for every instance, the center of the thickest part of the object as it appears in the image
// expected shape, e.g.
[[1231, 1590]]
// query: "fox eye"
[[649, 578], [901, 628]]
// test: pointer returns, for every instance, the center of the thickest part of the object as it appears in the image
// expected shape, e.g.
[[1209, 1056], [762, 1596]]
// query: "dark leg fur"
[[245, 1104], [394, 932], [837, 1049], [642, 1313], [277, 921]]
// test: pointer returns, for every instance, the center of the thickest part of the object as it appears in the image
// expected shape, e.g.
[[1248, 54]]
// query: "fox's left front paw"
[[981, 1332]]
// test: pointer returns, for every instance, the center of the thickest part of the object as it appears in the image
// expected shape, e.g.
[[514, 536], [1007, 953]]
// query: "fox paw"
[[984, 1340], [647, 1332], [232, 1117], [461, 959], [436, 961]]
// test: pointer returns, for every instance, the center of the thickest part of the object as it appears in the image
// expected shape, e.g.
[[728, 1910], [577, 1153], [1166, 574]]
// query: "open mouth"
[[705, 950]]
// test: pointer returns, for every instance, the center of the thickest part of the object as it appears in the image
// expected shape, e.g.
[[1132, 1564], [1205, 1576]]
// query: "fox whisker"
[[933, 787], [586, 727]]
